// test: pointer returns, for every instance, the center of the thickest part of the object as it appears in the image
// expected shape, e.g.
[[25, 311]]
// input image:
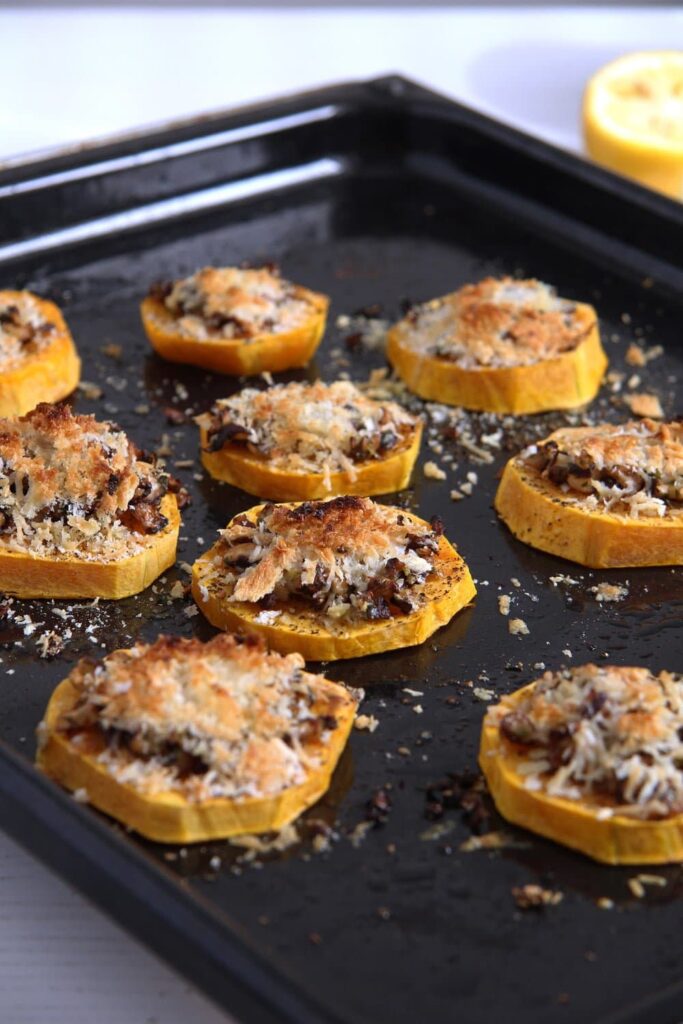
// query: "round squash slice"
[[605, 497], [38, 359], [186, 741], [590, 757], [301, 441], [335, 579], [83, 513], [501, 346], [235, 321]]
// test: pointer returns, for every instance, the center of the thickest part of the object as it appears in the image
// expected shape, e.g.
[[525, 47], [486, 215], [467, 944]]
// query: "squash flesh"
[[235, 356], [446, 591], [25, 576], [254, 474], [564, 382], [614, 840], [537, 513], [45, 376], [168, 817]]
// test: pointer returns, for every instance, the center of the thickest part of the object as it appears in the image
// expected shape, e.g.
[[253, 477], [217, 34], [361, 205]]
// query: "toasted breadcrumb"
[[518, 627], [535, 897], [635, 355], [645, 405], [432, 471], [366, 722], [609, 591], [504, 604]]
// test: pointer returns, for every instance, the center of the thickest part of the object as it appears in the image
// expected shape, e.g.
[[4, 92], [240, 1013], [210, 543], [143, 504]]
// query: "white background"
[[69, 75]]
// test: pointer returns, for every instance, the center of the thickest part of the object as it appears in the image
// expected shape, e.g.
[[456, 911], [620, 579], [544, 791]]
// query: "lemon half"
[[633, 118]]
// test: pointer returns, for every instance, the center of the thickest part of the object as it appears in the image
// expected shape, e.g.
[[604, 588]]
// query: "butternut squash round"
[[61, 576], [538, 513], [300, 628], [47, 375], [254, 474], [168, 816], [579, 824], [569, 379], [271, 353]]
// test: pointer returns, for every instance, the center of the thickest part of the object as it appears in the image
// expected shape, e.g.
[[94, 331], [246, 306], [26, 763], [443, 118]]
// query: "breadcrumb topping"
[[219, 719], [70, 485], [230, 302], [610, 735], [309, 428], [346, 558], [24, 331], [496, 323], [637, 466]]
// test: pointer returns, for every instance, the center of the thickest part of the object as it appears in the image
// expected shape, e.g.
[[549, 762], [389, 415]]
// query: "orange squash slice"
[[299, 442], [186, 742], [83, 513], [610, 732], [38, 359], [235, 321], [353, 553], [581, 517], [500, 346]]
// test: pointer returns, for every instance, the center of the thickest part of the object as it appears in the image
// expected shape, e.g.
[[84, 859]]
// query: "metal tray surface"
[[373, 193]]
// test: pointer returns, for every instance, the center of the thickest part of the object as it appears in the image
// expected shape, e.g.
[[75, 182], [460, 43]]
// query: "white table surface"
[[71, 74]]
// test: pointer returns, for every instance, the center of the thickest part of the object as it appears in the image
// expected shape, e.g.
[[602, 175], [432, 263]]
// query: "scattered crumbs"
[[141, 409], [418, 709], [366, 722], [359, 832], [483, 693], [518, 627], [626, 318], [535, 897], [403, 751], [191, 611], [637, 888], [556, 580], [647, 879], [432, 471], [181, 391], [604, 903], [644, 405], [457, 495], [539, 666], [515, 582], [567, 653], [472, 477], [165, 446], [496, 840], [634, 381], [184, 463], [437, 831], [466, 488], [49, 644], [413, 693], [609, 591], [215, 863], [177, 591], [267, 376], [80, 795], [282, 840], [635, 355], [90, 390], [504, 604]]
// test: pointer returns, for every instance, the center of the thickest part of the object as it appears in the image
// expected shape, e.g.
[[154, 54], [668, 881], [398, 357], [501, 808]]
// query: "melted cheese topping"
[[636, 465], [227, 302], [24, 331], [218, 719], [309, 428], [70, 485], [495, 323], [608, 734], [344, 557]]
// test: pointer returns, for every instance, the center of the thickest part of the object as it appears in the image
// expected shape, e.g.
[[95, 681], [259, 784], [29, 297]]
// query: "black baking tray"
[[379, 192]]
